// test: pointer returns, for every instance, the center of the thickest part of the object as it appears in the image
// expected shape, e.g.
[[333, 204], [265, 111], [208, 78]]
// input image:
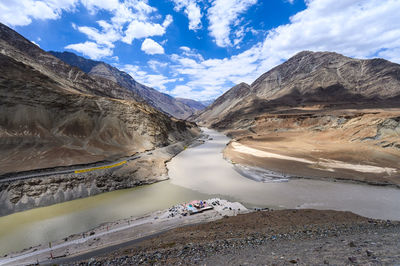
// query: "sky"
[[199, 49]]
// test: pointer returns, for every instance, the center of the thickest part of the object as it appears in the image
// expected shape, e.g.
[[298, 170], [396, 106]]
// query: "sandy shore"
[[325, 164], [276, 155], [121, 231]]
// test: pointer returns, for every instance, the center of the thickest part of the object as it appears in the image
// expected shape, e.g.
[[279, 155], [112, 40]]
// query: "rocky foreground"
[[283, 237]]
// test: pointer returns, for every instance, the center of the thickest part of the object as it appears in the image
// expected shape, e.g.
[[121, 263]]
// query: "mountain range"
[[318, 115], [179, 108], [309, 78], [55, 114]]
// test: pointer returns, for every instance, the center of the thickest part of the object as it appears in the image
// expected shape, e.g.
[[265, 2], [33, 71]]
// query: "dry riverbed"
[[285, 157]]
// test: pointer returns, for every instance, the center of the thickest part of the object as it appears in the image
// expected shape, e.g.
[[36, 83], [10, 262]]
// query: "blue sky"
[[200, 48]]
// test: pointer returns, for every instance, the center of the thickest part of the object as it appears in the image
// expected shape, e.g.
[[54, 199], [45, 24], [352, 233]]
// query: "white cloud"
[[210, 78], [156, 65], [188, 52], [222, 15], [156, 81], [21, 12], [184, 91], [142, 29], [192, 11], [91, 49], [185, 48], [151, 47], [355, 28], [130, 20], [94, 5], [137, 16], [391, 54], [107, 36], [168, 20]]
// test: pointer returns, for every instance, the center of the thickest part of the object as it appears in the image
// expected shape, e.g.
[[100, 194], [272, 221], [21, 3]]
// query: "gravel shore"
[[283, 237]]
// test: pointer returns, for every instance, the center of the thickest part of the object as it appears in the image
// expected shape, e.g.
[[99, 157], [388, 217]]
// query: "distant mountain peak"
[[158, 100], [322, 78], [66, 116], [192, 103]]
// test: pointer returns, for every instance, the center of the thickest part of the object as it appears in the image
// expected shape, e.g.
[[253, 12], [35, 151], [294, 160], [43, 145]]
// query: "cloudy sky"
[[200, 48]]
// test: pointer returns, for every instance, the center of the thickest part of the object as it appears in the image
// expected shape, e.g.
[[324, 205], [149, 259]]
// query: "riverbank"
[[286, 157], [121, 231], [204, 169], [141, 169], [280, 237], [199, 172]]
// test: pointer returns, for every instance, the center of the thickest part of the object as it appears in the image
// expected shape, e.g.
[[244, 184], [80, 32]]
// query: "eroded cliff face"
[[52, 114]]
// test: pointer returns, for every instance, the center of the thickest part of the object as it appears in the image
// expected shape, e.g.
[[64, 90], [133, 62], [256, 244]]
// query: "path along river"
[[197, 173]]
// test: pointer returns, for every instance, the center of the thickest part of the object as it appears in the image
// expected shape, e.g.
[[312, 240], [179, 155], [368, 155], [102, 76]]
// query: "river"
[[196, 173]]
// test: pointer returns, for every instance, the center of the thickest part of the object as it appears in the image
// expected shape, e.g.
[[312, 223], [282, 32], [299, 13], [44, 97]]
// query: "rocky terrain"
[[53, 114], [322, 107], [283, 237], [100, 70], [309, 79]]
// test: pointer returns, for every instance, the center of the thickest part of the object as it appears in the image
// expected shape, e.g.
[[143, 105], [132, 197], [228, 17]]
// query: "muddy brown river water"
[[197, 173]]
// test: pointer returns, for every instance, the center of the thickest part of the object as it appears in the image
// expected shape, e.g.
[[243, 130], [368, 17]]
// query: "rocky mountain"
[[318, 115], [97, 69], [309, 78], [196, 105], [53, 114], [223, 105]]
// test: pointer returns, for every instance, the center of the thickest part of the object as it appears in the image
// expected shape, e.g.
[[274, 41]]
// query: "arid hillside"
[[320, 115], [52, 114]]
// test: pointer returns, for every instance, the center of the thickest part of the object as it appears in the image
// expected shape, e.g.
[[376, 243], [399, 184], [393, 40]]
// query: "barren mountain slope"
[[196, 105], [53, 114], [161, 101], [329, 116], [308, 78], [223, 105]]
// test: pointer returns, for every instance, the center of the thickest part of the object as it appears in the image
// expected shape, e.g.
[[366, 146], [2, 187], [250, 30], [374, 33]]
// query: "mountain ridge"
[[310, 78], [53, 115], [159, 100], [318, 115]]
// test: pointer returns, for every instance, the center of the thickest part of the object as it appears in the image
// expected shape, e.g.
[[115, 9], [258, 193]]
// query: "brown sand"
[[336, 151]]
